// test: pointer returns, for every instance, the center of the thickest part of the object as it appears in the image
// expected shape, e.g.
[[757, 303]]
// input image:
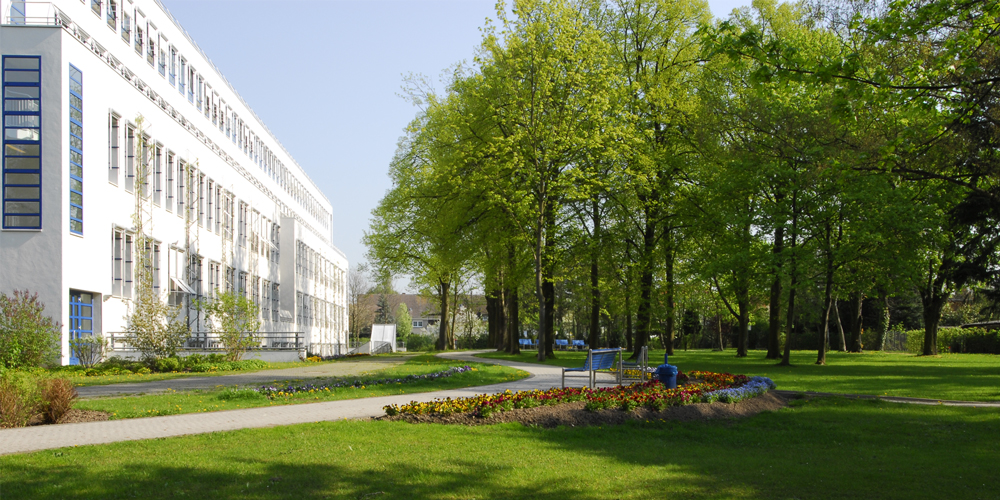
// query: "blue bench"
[[562, 344], [526, 343], [579, 345], [597, 359]]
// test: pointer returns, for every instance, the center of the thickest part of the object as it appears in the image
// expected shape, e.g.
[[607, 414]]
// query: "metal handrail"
[[34, 14], [209, 341]]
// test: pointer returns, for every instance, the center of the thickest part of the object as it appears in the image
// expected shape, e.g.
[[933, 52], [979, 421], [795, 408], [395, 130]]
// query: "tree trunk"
[[743, 303], [829, 301], [549, 290], [644, 316], [628, 323], [669, 298], [840, 326], [857, 299], [933, 298], [442, 342], [718, 331], [595, 290], [786, 358], [882, 328], [774, 317], [491, 319], [513, 323]]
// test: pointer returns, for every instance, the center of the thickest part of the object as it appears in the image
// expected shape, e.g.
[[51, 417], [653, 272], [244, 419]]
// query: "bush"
[[90, 350], [19, 399], [57, 398], [27, 337], [167, 365], [23, 395], [419, 343]]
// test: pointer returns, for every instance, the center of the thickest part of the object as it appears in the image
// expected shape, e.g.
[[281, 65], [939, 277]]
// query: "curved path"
[[44, 437], [343, 368]]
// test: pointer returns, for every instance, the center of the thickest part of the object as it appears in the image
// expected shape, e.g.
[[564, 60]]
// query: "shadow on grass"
[[826, 448]]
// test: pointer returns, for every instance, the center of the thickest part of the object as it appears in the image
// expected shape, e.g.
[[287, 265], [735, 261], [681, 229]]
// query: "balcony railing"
[[20, 13], [209, 341]]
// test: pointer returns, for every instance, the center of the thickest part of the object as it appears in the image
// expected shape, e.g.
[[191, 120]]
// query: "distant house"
[[425, 311]]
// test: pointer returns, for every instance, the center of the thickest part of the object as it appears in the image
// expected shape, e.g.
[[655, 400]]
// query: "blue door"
[[81, 318]]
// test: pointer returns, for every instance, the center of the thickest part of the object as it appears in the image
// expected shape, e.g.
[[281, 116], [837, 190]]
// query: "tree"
[[236, 319], [28, 337], [404, 323], [360, 312]]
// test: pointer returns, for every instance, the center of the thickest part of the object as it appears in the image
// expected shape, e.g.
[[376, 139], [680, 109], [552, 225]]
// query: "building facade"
[[116, 122]]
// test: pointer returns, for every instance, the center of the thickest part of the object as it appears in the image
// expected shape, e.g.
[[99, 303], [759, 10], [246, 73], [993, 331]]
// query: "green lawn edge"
[[960, 377]]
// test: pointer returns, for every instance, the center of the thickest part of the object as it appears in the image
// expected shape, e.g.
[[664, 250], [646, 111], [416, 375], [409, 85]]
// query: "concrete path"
[[343, 368], [44, 437]]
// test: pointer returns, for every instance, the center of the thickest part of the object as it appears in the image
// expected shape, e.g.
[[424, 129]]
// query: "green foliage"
[[166, 365], [155, 329], [90, 350], [416, 343], [28, 338], [237, 321], [27, 394], [404, 323]]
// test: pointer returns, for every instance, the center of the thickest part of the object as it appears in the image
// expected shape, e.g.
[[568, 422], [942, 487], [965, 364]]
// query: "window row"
[[127, 264], [313, 312], [312, 265], [136, 30]]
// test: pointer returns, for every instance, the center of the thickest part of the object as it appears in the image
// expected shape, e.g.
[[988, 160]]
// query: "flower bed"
[[272, 392], [713, 387]]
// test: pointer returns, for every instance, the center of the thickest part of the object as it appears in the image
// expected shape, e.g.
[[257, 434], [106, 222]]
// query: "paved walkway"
[[343, 368], [44, 437]]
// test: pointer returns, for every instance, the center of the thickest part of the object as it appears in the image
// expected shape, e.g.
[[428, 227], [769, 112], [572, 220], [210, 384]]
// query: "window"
[[418, 323], [230, 279], [95, 5], [183, 73], [113, 154], [243, 284], [126, 27], [151, 49], [218, 209], [190, 83], [171, 175], [112, 14], [121, 263], [173, 66], [211, 205], [155, 262], [255, 290], [200, 96], [138, 39], [76, 148], [265, 303], [157, 170], [22, 154], [201, 200], [163, 61], [181, 167], [81, 318], [144, 164], [192, 201], [129, 158], [243, 225], [274, 302], [195, 275]]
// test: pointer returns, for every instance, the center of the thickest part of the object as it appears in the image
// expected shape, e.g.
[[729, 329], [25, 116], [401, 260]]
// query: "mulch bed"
[[573, 414], [75, 416]]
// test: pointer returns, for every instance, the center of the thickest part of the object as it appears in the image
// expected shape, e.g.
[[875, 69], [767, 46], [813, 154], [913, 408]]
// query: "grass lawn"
[[225, 399], [968, 377], [81, 380], [824, 448]]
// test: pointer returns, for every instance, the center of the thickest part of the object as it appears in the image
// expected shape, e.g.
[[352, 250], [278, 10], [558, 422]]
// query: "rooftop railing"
[[20, 13]]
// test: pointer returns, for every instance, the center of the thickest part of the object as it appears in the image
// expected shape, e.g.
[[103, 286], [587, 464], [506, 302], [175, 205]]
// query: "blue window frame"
[[75, 150], [81, 318], [22, 151]]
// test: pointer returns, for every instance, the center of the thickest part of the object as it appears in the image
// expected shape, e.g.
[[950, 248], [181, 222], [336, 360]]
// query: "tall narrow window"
[[173, 67], [117, 262], [200, 89], [192, 193], [211, 205], [144, 164], [95, 5], [171, 175], [76, 149], [138, 39], [218, 208], [201, 200], [129, 158], [183, 72], [112, 14], [151, 48], [190, 84], [126, 27], [127, 267], [157, 173], [22, 154], [162, 61], [181, 167], [113, 150], [274, 302]]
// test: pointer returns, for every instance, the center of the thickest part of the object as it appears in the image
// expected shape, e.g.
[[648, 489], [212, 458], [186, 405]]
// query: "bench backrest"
[[578, 343], [562, 342], [601, 359]]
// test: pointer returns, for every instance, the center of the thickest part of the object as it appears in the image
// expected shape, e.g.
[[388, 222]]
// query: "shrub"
[[57, 396], [419, 343], [27, 336], [154, 328], [240, 394], [19, 399], [237, 320], [167, 365], [90, 350]]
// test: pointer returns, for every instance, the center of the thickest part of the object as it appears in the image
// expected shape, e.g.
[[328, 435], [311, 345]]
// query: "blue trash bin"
[[667, 375]]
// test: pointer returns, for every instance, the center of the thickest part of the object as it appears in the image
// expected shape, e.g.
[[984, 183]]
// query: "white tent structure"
[[383, 340]]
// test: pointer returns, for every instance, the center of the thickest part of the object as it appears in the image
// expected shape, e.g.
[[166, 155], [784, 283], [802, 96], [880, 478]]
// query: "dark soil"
[[75, 416], [573, 414]]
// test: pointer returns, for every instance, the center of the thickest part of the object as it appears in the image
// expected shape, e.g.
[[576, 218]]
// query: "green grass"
[[173, 403], [824, 448], [81, 380], [966, 377]]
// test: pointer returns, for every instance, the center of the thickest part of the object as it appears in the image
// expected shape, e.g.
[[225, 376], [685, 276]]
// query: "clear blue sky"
[[325, 76]]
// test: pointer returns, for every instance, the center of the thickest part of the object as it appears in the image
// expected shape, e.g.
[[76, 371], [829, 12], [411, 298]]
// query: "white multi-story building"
[[97, 91]]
